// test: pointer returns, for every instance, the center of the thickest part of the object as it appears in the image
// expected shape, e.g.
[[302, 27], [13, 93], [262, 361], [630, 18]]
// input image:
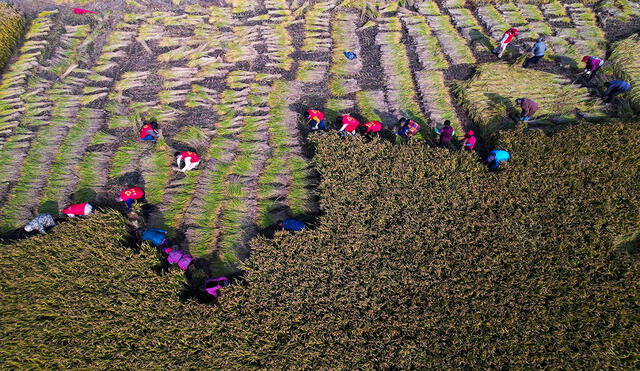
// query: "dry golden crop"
[[11, 30], [422, 259]]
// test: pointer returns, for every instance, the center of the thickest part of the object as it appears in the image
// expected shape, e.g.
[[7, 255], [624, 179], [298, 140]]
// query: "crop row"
[[344, 38], [14, 82], [41, 157], [12, 25], [453, 45], [316, 29], [400, 90]]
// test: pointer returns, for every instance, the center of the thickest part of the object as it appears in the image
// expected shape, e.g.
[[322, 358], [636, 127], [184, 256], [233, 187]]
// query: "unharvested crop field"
[[436, 264]]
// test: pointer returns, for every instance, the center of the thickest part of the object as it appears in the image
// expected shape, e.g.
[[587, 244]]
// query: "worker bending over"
[[156, 236], [591, 66], [538, 49], [316, 119], [149, 131], [469, 141], [212, 286], [496, 157], [371, 127], [191, 160], [529, 107], [504, 41], [445, 134], [40, 223], [614, 88], [78, 210], [129, 195], [181, 258], [349, 125], [408, 128], [291, 224]]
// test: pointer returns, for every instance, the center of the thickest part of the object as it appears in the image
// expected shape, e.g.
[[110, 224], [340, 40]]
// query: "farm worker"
[[538, 49], [212, 286], [445, 134], [154, 235], [78, 210], [149, 131], [409, 128], [181, 258], [496, 157], [129, 195], [529, 107], [191, 160], [504, 41], [591, 66], [316, 119], [349, 125], [372, 127], [40, 223], [616, 87], [291, 224], [469, 141]]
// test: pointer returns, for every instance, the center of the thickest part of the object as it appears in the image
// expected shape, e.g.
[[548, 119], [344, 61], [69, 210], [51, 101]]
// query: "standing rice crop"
[[11, 29]]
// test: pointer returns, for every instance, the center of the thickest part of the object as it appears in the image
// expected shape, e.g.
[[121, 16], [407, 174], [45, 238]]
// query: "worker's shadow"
[[479, 37]]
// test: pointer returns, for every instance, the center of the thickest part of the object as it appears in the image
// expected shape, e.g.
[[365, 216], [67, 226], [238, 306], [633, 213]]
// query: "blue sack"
[[350, 55]]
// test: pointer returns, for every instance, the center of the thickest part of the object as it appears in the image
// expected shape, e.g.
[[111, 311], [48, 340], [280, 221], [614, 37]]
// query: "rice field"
[[224, 81]]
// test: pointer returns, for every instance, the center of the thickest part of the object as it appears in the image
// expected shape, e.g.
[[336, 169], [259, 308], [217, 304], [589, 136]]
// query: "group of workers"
[[591, 67], [406, 128]]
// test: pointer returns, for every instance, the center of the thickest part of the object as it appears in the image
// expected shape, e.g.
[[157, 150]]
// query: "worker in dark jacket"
[[529, 107], [538, 49], [614, 88], [446, 134]]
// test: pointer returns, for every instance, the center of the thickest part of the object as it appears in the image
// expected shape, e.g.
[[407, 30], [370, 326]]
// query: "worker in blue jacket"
[[614, 88], [291, 224], [496, 157], [154, 235]]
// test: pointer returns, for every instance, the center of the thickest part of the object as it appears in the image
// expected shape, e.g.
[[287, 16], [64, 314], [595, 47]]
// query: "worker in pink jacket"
[[591, 66]]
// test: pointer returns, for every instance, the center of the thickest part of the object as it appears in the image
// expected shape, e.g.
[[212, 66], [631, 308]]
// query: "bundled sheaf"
[[422, 259], [624, 58], [11, 29]]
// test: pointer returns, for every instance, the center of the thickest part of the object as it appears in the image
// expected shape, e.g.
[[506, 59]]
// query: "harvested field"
[[489, 97]]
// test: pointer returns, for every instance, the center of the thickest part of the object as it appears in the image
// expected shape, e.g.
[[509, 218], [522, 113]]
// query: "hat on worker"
[[585, 58]]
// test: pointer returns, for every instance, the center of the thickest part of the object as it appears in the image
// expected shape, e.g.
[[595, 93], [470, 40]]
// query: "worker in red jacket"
[[129, 195], [191, 160], [149, 131], [529, 107], [591, 66], [78, 210], [504, 41], [349, 125], [316, 119], [371, 127]]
